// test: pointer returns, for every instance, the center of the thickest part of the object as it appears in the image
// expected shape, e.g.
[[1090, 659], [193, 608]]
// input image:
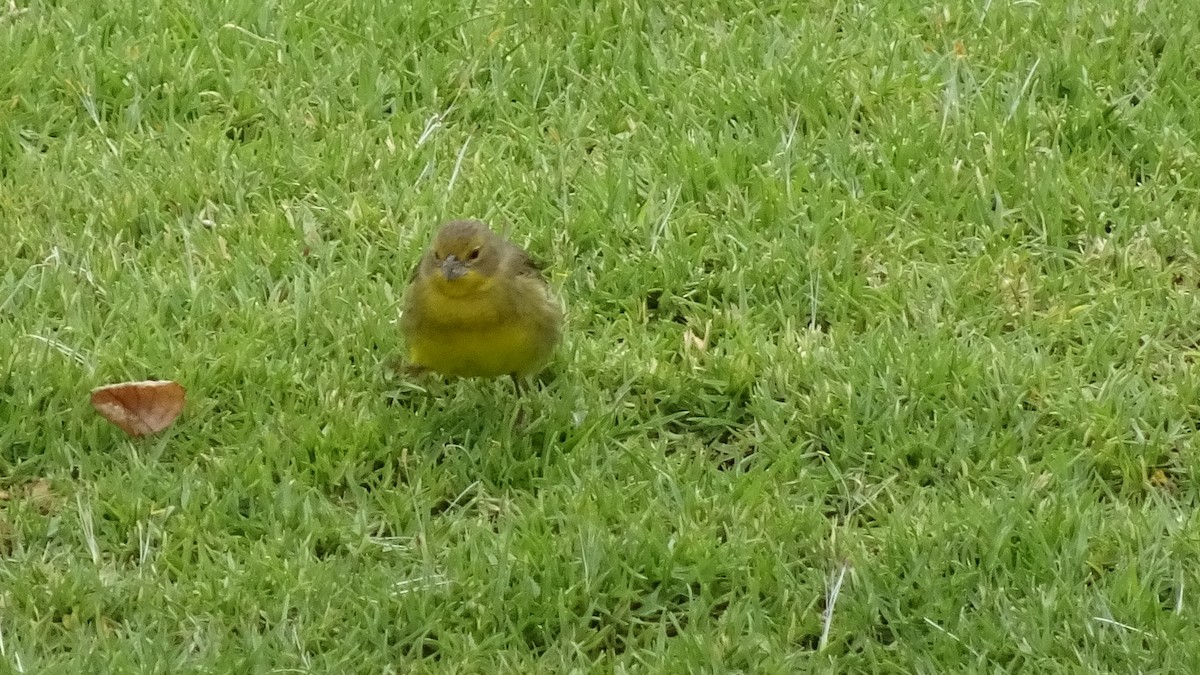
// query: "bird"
[[477, 305]]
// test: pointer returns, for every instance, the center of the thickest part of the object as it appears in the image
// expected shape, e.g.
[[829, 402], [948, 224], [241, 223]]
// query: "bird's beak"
[[453, 268]]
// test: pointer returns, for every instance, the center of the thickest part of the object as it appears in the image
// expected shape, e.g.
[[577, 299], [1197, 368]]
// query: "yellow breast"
[[478, 335]]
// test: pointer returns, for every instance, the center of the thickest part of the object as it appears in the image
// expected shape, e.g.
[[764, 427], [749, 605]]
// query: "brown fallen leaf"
[[140, 408]]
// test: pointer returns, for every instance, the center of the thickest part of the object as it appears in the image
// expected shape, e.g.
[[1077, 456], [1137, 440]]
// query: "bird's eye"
[[437, 256], [473, 255]]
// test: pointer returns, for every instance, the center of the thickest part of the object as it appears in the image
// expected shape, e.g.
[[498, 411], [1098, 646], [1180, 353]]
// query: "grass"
[[900, 294]]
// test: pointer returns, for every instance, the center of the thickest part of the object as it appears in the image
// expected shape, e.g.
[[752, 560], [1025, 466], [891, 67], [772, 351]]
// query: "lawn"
[[881, 351]]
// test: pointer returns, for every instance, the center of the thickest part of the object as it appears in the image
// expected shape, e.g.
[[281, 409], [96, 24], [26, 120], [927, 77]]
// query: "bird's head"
[[464, 257]]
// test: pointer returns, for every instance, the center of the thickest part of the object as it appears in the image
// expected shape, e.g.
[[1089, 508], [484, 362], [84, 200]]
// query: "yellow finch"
[[477, 306]]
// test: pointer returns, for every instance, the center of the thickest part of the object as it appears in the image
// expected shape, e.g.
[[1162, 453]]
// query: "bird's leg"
[[402, 368], [413, 370]]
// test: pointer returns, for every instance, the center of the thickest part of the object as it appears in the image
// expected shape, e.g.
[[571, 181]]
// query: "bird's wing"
[[525, 266]]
